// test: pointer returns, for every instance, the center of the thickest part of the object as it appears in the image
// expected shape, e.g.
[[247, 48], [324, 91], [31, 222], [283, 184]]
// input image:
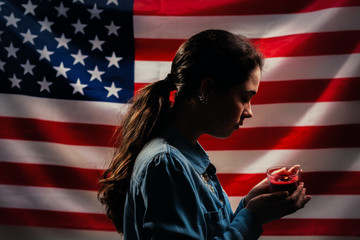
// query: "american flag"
[[68, 68]]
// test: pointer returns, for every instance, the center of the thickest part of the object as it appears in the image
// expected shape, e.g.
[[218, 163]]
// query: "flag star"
[[44, 85], [96, 74], [113, 60], [112, 29], [79, 27], [95, 12], [79, 58], [2, 64], [45, 25], [62, 41], [61, 70], [62, 10], [112, 1], [11, 50], [15, 82], [12, 20], [78, 87], [29, 8], [82, 1], [96, 44], [28, 68], [28, 37], [113, 90], [45, 53]]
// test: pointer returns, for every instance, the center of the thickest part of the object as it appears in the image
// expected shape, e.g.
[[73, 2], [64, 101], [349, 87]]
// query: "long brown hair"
[[227, 58]]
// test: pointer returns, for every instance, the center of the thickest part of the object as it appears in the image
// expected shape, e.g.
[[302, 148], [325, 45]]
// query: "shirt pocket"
[[216, 222]]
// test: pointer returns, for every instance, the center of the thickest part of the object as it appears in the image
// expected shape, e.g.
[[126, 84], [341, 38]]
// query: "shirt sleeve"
[[173, 209]]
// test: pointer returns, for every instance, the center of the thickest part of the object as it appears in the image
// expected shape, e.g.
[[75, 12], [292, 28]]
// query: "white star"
[[78, 87], [28, 68], [62, 41], [79, 27], [62, 10], [45, 25], [28, 37], [112, 1], [79, 58], [44, 85], [113, 90], [96, 44], [45, 53], [61, 70], [12, 20], [82, 1], [112, 29], [96, 74], [2, 64], [113, 60], [11, 50], [95, 12], [15, 82], [29, 8]]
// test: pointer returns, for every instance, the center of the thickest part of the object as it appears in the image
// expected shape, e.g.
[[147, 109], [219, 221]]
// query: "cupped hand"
[[271, 206]]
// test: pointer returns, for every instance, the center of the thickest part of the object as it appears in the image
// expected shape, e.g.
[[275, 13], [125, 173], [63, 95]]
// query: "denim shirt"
[[174, 193]]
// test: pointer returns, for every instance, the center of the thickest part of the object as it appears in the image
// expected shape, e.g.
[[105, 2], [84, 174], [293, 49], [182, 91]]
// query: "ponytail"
[[149, 110]]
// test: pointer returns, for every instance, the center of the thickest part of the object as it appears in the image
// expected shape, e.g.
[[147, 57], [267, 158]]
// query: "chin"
[[223, 134]]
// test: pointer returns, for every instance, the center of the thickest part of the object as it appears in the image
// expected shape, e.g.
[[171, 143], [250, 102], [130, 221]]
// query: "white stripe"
[[284, 114], [255, 26], [60, 110], [275, 69], [323, 206], [256, 161], [81, 201], [44, 198], [311, 160], [54, 154], [39, 233]]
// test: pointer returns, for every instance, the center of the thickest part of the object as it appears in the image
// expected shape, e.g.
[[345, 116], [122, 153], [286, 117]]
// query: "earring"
[[202, 98]]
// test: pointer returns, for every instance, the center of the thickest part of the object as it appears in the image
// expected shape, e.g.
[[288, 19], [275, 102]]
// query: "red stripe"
[[313, 227], [233, 7], [55, 219], [234, 184], [49, 176], [295, 91], [317, 90], [59, 132], [310, 137], [244, 139], [318, 183], [88, 221], [308, 44]]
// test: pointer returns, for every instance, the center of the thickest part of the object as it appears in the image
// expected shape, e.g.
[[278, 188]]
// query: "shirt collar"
[[194, 153]]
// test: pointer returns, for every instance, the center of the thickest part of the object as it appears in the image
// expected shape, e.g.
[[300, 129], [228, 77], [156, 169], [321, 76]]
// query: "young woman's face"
[[227, 111]]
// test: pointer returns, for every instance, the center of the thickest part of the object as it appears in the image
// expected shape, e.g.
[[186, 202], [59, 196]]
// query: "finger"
[[297, 192]]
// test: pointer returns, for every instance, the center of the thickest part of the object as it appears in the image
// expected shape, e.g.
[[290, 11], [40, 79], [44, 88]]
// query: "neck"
[[187, 119]]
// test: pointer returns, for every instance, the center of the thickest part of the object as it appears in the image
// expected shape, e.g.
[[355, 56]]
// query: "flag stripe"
[[43, 218], [244, 139], [306, 44], [86, 179], [232, 7], [160, 27], [275, 69], [316, 90], [297, 114]]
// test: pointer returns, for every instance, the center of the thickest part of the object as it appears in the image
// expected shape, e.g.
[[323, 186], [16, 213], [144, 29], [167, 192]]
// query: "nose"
[[248, 111]]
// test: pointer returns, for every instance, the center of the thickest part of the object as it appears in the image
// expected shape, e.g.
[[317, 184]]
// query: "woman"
[[161, 184]]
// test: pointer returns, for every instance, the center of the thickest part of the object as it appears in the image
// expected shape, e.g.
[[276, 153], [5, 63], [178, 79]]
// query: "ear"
[[207, 87]]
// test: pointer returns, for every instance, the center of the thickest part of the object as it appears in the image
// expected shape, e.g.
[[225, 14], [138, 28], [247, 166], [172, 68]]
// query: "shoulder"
[[159, 154]]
